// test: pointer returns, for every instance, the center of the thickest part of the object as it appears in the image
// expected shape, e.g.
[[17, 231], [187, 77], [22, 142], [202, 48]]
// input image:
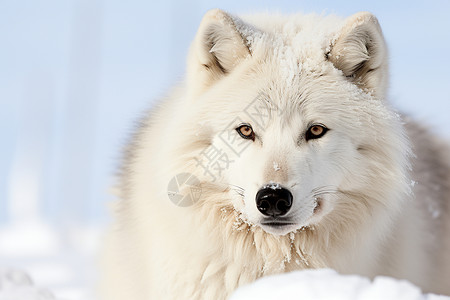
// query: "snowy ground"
[[39, 262], [327, 284], [306, 285]]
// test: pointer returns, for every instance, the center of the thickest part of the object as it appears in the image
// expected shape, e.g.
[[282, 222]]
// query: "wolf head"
[[290, 118]]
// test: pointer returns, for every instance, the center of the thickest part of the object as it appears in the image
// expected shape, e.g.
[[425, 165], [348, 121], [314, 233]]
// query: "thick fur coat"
[[370, 188]]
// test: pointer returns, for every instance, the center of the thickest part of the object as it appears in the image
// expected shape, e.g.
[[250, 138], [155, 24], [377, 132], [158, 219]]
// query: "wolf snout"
[[273, 200]]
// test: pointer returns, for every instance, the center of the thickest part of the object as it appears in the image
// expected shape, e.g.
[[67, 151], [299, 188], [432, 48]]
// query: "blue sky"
[[76, 74]]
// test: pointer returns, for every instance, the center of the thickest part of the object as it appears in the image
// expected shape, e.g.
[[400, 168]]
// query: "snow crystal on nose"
[[276, 167], [272, 185]]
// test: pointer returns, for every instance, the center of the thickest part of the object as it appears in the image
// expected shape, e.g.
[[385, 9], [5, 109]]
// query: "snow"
[[328, 284], [41, 262], [62, 268], [305, 285], [17, 285], [272, 185], [276, 167]]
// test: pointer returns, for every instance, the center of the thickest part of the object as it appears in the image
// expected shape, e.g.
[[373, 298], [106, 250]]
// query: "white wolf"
[[292, 159]]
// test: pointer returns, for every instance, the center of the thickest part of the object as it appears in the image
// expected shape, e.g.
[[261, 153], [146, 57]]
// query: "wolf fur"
[[384, 206]]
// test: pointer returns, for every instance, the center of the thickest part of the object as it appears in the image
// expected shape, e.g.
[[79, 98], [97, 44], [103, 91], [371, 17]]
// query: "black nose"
[[273, 201]]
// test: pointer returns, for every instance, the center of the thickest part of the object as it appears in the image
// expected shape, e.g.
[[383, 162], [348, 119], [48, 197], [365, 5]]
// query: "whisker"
[[240, 193], [231, 186], [236, 186], [323, 193], [329, 187], [323, 190]]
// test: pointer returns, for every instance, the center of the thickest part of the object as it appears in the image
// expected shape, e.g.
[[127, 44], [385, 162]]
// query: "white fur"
[[300, 70]]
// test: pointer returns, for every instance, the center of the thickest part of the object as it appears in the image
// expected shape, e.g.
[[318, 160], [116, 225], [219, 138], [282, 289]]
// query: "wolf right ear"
[[217, 48], [360, 53]]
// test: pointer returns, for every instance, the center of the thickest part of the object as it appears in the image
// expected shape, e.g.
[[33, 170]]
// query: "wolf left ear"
[[217, 48], [360, 53]]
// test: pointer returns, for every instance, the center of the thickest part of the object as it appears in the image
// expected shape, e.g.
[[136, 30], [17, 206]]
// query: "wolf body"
[[291, 158]]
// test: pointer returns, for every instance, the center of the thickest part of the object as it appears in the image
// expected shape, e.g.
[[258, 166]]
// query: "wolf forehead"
[[288, 49]]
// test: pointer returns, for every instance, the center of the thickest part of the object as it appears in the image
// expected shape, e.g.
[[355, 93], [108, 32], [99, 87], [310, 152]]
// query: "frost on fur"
[[359, 51], [218, 47]]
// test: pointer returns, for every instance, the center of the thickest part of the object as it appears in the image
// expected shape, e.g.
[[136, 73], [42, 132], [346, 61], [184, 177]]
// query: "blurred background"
[[75, 75]]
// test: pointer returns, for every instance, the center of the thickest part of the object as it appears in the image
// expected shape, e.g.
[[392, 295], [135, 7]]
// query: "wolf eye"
[[315, 131], [246, 132]]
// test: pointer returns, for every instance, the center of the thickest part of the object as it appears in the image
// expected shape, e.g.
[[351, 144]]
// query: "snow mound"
[[17, 285], [328, 284]]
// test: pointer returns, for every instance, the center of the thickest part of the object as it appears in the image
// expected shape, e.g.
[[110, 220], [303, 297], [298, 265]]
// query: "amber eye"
[[246, 131], [315, 131]]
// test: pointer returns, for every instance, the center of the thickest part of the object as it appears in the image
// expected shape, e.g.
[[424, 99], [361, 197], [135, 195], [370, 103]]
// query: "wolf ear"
[[360, 53], [217, 48]]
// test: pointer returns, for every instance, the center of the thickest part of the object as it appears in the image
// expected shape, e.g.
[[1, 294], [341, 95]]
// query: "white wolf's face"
[[286, 146], [290, 126], [286, 174]]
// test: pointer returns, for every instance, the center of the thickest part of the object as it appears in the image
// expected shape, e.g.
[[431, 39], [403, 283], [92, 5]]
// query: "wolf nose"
[[273, 201]]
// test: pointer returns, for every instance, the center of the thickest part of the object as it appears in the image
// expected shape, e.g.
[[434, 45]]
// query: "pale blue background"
[[76, 74]]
